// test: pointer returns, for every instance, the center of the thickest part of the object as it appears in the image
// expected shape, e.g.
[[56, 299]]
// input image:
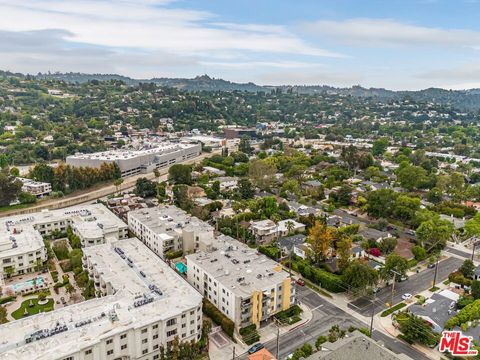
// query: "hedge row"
[[392, 309], [249, 334], [325, 279], [218, 318], [7, 299]]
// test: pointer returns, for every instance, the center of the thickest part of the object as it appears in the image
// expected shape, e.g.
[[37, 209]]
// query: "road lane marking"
[[317, 307]]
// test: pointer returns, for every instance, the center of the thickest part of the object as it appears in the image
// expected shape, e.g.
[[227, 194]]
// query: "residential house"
[[286, 244]]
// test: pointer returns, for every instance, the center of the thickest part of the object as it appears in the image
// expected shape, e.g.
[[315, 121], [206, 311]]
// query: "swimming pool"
[[181, 267], [27, 284]]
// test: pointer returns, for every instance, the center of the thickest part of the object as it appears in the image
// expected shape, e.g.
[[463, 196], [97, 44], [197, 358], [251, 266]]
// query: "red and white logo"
[[456, 344]]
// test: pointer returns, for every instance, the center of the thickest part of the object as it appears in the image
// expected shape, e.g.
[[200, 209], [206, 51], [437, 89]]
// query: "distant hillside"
[[465, 100], [199, 83]]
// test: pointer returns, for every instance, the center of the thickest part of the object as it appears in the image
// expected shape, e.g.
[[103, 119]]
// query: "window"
[[155, 347], [109, 352], [183, 316], [109, 341], [155, 336], [171, 332], [88, 352], [68, 358], [191, 322], [183, 325], [144, 351], [144, 331], [144, 341], [155, 326], [184, 335], [123, 347], [171, 322], [156, 357], [192, 312], [123, 336]]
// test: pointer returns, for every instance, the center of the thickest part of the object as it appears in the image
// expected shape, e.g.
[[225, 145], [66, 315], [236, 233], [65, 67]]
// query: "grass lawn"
[[35, 309]]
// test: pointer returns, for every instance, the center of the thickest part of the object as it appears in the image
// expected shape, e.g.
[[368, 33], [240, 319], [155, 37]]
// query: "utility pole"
[[393, 286], [373, 313], [435, 272], [233, 358], [278, 341], [475, 244]]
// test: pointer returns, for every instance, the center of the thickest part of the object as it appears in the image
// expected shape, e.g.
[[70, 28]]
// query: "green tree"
[[380, 203], [411, 177], [388, 244], [467, 269], [26, 198], [344, 252], [10, 187], [379, 146], [394, 264], [117, 182], [180, 174], [417, 330], [244, 145], [3, 315], [475, 289], [434, 233], [262, 173], [245, 188], [145, 188], [359, 276]]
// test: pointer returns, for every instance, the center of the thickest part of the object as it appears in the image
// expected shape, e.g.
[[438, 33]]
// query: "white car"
[[406, 296]]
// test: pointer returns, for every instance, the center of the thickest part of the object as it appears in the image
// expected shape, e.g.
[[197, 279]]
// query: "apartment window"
[[123, 347], [156, 357], [183, 325], [184, 335], [171, 332], [123, 336], [171, 322], [155, 336], [192, 312], [144, 341], [144, 351], [155, 326], [191, 322], [144, 331], [88, 352], [109, 352], [183, 316], [68, 358], [109, 341], [155, 347]]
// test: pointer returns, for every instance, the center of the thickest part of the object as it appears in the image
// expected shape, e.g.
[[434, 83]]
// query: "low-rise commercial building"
[[144, 306], [132, 162], [21, 236], [243, 284]]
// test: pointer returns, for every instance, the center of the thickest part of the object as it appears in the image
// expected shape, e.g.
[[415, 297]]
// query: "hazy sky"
[[397, 44]]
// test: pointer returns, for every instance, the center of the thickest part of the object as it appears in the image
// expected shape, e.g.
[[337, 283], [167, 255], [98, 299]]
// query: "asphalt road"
[[325, 315], [415, 284], [461, 253]]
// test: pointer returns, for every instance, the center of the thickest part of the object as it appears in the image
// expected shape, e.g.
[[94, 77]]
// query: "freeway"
[[415, 284], [325, 315]]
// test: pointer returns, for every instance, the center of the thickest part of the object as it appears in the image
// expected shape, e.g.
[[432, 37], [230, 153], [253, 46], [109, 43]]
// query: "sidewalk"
[[267, 333]]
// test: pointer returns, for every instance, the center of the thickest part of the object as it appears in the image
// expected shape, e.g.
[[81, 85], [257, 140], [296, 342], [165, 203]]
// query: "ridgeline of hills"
[[465, 100]]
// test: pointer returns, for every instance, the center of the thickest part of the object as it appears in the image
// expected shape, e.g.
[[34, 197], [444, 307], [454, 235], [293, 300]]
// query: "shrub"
[[458, 278], [174, 254], [220, 319], [375, 252], [419, 253], [320, 340], [249, 334], [325, 279], [7, 299], [470, 312]]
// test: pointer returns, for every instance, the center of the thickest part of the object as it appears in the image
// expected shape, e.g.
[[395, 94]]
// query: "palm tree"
[[290, 227]]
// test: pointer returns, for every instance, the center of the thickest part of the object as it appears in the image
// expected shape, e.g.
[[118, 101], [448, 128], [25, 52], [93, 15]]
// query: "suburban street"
[[325, 315], [457, 252], [415, 284]]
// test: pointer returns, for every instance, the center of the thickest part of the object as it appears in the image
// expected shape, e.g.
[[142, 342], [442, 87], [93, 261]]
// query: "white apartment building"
[[144, 306], [132, 162], [37, 188], [243, 284], [168, 228], [266, 231], [21, 236]]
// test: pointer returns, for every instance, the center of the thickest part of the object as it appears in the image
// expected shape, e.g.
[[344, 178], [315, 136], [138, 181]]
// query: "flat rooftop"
[[139, 300], [131, 154], [238, 267], [169, 220], [93, 220]]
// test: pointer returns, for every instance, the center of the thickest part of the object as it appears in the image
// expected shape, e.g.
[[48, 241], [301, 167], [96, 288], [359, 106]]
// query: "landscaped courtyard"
[[31, 307]]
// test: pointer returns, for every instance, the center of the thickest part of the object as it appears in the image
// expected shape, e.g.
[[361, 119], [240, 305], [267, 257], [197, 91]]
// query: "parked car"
[[255, 348], [300, 282], [410, 232], [406, 296], [431, 266]]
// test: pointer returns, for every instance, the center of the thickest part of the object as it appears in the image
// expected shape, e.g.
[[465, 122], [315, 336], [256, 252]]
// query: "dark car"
[[431, 266], [255, 348]]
